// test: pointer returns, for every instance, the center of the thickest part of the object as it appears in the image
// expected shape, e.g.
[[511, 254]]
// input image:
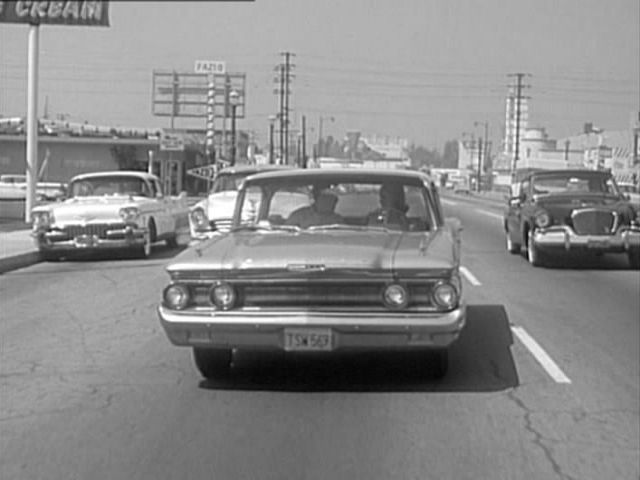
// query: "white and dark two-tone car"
[[213, 215], [322, 261], [124, 210]]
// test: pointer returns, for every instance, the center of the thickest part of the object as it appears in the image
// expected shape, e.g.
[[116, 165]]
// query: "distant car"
[[633, 193], [564, 211], [14, 186], [318, 261], [213, 214], [110, 210]]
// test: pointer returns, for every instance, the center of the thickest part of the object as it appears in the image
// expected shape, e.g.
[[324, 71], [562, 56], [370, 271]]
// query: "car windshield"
[[574, 183], [109, 185], [336, 205]]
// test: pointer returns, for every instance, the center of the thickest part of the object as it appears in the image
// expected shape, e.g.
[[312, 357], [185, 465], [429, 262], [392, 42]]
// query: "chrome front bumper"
[[255, 329], [563, 237], [118, 238]]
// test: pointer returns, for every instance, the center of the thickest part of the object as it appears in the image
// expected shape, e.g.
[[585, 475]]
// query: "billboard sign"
[[60, 12], [178, 94], [210, 67]]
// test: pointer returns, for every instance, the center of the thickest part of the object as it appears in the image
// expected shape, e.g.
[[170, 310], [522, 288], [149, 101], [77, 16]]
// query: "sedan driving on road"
[[562, 211], [322, 261]]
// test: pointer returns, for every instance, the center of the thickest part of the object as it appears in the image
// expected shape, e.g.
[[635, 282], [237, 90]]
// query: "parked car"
[[213, 214], [632, 191], [564, 211], [111, 210], [14, 186], [322, 260]]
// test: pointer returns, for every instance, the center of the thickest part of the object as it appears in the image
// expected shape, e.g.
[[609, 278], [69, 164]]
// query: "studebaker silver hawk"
[[322, 261], [111, 210], [559, 212]]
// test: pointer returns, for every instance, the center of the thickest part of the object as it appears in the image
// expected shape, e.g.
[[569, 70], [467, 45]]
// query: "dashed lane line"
[[540, 355], [473, 280], [444, 201]]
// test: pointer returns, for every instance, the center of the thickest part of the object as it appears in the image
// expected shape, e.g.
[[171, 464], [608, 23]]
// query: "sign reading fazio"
[[56, 12]]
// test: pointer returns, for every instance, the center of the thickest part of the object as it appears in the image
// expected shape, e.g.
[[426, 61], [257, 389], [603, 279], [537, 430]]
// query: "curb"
[[15, 262]]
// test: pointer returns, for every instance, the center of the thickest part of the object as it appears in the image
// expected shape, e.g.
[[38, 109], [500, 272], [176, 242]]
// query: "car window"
[[307, 204]]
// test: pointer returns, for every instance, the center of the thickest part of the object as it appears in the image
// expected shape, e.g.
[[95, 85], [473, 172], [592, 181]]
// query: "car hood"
[[358, 252], [88, 208], [219, 205]]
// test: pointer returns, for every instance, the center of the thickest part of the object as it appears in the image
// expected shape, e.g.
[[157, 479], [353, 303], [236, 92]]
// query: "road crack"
[[538, 438]]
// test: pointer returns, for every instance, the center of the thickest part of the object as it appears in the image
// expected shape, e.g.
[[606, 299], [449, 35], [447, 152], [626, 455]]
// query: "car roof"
[[251, 169], [569, 171], [111, 173], [342, 174]]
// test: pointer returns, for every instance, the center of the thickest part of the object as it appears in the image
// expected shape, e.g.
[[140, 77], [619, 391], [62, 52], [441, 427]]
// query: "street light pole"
[[234, 96]]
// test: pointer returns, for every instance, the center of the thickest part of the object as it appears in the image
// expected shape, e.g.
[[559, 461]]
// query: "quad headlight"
[[542, 219], [42, 219], [223, 295], [395, 296], [129, 214], [445, 295], [176, 296]]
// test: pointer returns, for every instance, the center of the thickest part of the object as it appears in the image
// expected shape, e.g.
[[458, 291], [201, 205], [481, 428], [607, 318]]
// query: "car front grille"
[[97, 229], [315, 295], [593, 222], [222, 224]]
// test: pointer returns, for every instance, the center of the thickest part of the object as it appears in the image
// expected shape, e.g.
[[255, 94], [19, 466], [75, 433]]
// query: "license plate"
[[597, 244], [307, 339]]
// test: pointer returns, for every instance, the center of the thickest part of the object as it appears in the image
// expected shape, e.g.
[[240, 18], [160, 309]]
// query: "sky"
[[426, 70]]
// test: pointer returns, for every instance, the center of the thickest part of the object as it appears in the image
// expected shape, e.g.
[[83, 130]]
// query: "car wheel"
[[534, 255], [634, 259], [144, 250], [512, 247], [212, 363], [438, 362]]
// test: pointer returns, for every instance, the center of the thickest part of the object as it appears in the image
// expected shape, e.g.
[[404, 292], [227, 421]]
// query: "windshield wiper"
[[344, 226], [254, 227]]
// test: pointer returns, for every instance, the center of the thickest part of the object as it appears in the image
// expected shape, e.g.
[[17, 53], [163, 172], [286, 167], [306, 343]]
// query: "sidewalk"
[[17, 249]]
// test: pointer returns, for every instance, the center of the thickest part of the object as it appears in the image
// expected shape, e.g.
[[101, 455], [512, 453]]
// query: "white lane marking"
[[540, 355], [470, 276], [489, 214], [444, 201]]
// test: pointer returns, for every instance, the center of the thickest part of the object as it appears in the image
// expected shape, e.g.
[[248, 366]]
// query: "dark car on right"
[[555, 212]]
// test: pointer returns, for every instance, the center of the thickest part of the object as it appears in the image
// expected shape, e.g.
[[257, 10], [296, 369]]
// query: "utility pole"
[[304, 142], [280, 91], [518, 102], [287, 79]]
